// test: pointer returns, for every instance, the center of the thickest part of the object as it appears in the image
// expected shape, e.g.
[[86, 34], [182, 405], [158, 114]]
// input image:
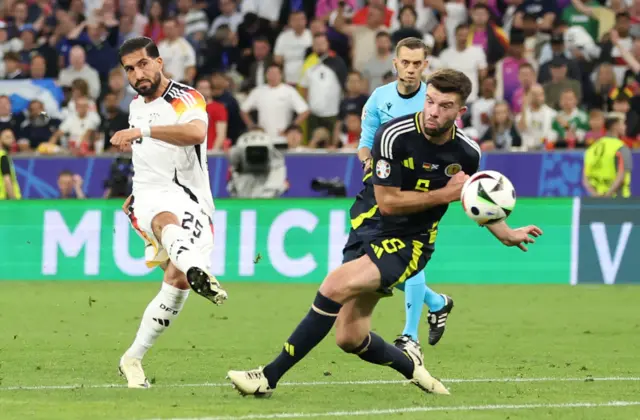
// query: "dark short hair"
[[65, 172], [526, 65], [413, 43], [136, 44], [383, 34], [451, 81]]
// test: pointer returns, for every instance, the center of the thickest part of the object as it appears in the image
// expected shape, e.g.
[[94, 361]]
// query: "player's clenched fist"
[[455, 185], [123, 138]]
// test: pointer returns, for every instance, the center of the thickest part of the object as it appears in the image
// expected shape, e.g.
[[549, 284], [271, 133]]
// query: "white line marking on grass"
[[419, 410], [322, 383]]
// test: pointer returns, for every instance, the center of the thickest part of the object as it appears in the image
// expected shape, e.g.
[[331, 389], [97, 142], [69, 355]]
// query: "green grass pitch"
[[553, 352]]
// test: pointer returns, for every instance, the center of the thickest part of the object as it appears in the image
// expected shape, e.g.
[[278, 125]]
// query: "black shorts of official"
[[398, 258]]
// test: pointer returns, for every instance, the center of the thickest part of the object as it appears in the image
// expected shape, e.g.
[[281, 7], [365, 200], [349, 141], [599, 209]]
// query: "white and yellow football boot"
[[250, 382], [421, 376], [131, 369]]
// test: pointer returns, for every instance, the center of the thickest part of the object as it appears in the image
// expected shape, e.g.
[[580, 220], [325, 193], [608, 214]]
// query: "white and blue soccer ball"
[[488, 197]]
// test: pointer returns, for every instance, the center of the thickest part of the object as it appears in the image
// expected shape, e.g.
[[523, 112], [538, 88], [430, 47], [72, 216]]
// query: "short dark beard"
[[152, 89], [437, 132]]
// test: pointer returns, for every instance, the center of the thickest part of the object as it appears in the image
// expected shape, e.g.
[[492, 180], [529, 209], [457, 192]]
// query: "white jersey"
[[158, 165]]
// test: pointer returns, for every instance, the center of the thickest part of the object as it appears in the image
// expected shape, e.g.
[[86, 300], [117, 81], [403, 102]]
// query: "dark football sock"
[[308, 334], [375, 350]]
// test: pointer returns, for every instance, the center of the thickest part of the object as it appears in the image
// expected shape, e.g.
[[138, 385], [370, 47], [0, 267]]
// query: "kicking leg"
[[340, 286], [158, 316], [182, 253]]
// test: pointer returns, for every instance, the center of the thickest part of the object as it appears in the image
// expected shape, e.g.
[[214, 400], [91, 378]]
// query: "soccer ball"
[[488, 197]]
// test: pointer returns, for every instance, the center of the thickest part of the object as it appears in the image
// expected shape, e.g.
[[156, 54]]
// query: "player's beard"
[[153, 86], [437, 132]]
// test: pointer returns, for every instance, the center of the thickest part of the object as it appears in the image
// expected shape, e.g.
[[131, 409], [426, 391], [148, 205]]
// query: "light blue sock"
[[433, 300], [414, 291]]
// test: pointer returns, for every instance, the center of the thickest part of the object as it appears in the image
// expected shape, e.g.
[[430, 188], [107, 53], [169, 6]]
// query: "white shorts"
[[192, 216]]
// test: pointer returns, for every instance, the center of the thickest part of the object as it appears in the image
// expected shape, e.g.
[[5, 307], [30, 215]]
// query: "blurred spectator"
[[154, 28], [222, 52], [70, 185], [321, 139], [622, 105], [351, 137], [79, 69], [177, 53], [535, 122], [20, 14], [8, 44], [114, 118], [408, 18], [543, 10], [363, 37], [229, 16], [291, 46], [8, 120], [352, 102], [559, 54], [121, 88], [579, 13], [571, 123], [252, 27], [596, 127], [604, 83], [482, 108], [322, 85], [12, 67], [507, 70], [9, 187], [254, 66], [380, 63], [79, 89], [559, 83], [99, 38], [426, 20], [361, 17], [219, 92], [76, 133], [36, 128], [469, 59], [275, 102], [486, 34], [324, 8], [130, 9], [631, 57], [612, 53], [37, 67], [608, 163], [195, 21], [502, 133], [294, 135], [526, 79], [218, 117]]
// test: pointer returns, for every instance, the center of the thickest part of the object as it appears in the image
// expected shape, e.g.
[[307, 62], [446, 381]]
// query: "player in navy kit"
[[419, 164], [404, 96]]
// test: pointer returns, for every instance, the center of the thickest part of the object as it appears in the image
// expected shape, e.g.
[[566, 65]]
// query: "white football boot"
[[250, 382], [421, 376], [131, 369]]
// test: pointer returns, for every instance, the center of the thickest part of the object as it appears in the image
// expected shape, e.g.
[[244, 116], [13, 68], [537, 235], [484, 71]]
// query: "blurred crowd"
[[545, 73]]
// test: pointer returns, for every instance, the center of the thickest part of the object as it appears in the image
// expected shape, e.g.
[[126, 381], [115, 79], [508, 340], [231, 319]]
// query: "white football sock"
[[158, 316], [182, 254]]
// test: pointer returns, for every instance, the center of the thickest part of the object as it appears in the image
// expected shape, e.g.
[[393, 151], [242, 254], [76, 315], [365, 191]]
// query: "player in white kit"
[[171, 206]]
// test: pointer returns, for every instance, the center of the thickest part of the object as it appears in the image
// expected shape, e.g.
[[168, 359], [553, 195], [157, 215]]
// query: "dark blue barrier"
[[556, 174]]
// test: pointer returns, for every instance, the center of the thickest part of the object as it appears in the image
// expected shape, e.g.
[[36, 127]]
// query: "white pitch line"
[[418, 410], [322, 383]]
